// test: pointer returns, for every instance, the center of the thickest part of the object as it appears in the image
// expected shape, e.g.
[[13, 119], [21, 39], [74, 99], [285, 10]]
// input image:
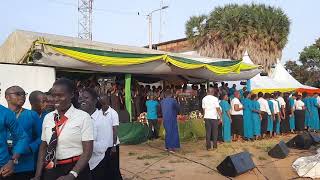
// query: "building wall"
[[177, 46]]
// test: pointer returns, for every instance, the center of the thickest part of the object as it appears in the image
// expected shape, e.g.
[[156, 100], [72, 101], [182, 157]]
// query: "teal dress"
[[226, 127], [231, 92], [278, 121], [307, 117], [241, 93], [270, 122], [291, 120], [256, 118], [314, 113], [247, 118]]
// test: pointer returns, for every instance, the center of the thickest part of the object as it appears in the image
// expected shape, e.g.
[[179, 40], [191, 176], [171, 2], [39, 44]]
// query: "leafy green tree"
[[230, 30], [308, 72]]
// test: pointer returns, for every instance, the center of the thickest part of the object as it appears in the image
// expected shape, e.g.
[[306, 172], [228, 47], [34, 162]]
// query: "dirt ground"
[[194, 162]]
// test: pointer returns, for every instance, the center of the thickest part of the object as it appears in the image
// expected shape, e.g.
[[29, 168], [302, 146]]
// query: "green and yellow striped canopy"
[[111, 58]]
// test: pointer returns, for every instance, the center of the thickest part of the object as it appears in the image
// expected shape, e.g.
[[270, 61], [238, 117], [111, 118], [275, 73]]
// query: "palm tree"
[[230, 30]]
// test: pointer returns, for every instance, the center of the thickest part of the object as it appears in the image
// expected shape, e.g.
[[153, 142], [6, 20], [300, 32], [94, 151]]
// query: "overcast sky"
[[117, 21]]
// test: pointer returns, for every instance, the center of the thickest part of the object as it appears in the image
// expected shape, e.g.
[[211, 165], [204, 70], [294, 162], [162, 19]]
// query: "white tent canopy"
[[281, 75], [19, 43]]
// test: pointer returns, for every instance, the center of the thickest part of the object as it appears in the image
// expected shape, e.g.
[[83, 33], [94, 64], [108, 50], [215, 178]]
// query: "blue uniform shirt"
[[32, 125], [152, 109], [9, 125]]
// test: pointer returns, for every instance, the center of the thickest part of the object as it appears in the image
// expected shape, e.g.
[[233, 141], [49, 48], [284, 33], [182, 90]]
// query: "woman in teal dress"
[[277, 128], [247, 114], [270, 117], [307, 104], [292, 120], [256, 117], [226, 118], [314, 112]]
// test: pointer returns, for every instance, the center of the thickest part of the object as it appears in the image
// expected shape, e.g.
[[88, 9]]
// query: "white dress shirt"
[[281, 101], [264, 106], [209, 105], [78, 128], [234, 102], [298, 105], [112, 118], [276, 109], [99, 144]]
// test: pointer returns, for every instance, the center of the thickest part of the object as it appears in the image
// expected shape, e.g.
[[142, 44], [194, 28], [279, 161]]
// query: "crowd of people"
[[56, 140], [71, 131], [246, 116]]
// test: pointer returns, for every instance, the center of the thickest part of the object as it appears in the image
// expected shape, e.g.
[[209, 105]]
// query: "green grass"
[[147, 156], [262, 158], [176, 161], [163, 171], [245, 149], [132, 154], [206, 155]]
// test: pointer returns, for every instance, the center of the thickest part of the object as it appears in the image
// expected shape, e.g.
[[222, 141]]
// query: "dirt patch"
[[193, 161]]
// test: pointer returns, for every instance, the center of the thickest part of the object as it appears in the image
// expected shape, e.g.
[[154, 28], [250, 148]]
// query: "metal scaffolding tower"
[[85, 19]]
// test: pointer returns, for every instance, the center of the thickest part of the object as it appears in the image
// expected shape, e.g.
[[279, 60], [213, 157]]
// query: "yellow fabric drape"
[[125, 61], [273, 90], [105, 60]]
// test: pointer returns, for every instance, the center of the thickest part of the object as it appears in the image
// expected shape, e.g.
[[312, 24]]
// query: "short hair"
[[92, 92], [33, 97], [10, 88], [253, 96], [66, 83], [260, 94], [273, 95], [167, 93], [304, 94], [245, 94], [222, 95], [267, 95]]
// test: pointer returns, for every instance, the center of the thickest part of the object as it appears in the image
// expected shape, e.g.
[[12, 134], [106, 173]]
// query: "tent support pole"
[[128, 98]]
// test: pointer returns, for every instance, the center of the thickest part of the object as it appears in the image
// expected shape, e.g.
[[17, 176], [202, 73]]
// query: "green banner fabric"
[[128, 94]]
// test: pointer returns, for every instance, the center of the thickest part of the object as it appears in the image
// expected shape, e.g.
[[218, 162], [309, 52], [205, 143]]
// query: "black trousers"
[[153, 128], [211, 132], [6, 178], [237, 125], [64, 169], [264, 122], [112, 166], [23, 175], [19, 176], [99, 172], [299, 116], [275, 123], [220, 138]]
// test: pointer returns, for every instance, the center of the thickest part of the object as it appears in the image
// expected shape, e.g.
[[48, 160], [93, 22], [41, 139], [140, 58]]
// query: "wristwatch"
[[75, 174], [15, 161]]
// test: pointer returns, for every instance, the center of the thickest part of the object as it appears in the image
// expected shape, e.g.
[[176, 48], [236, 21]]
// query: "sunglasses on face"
[[19, 93]]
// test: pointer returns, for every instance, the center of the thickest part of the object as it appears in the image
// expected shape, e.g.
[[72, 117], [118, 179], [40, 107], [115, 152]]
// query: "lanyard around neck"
[[19, 113]]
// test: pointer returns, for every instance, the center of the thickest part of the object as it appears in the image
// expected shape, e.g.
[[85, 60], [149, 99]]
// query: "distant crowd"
[[71, 131]]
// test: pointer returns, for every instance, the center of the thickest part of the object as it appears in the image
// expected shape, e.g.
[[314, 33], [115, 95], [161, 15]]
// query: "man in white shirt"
[[276, 110], [111, 117], [265, 111], [212, 112], [88, 99], [237, 117], [282, 104]]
